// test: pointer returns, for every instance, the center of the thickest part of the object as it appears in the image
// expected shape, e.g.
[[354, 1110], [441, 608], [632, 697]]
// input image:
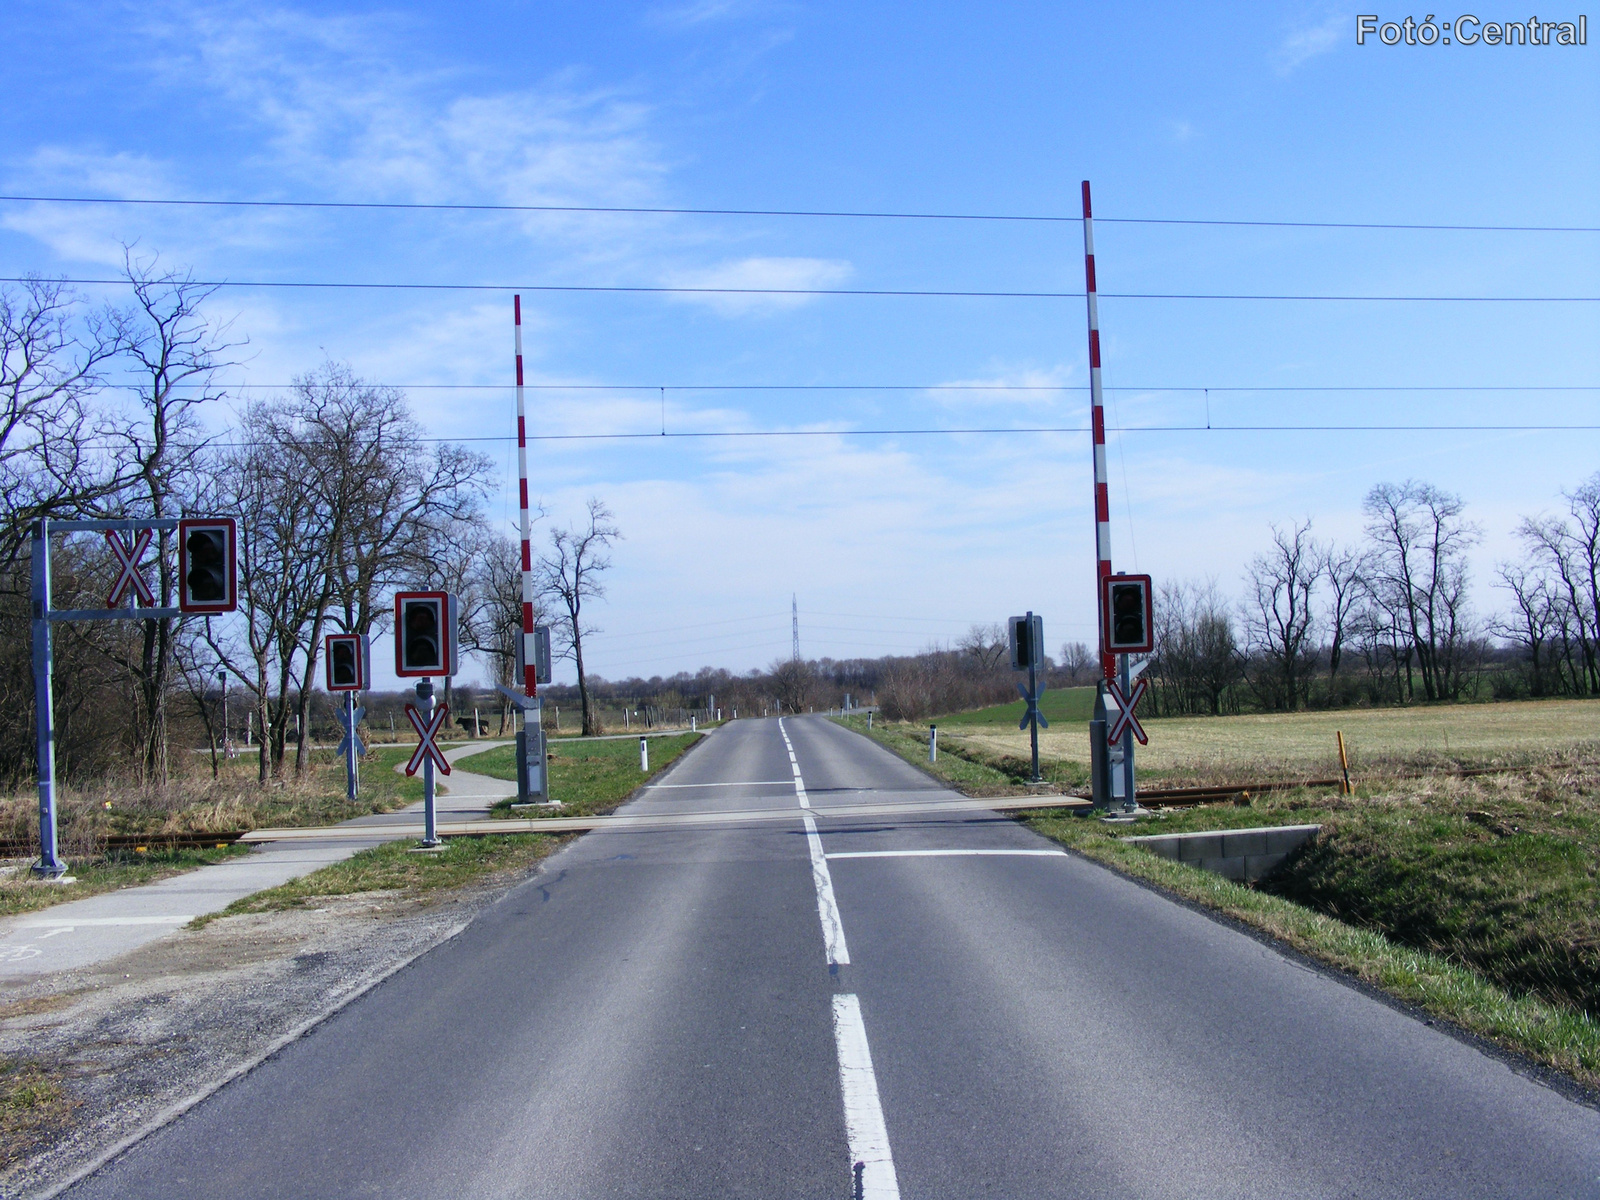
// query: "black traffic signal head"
[[342, 662], [207, 565], [425, 627], [1027, 641], [349, 658], [1128, 614]]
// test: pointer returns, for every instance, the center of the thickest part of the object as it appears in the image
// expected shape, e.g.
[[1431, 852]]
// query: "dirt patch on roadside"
[[90, 1057]]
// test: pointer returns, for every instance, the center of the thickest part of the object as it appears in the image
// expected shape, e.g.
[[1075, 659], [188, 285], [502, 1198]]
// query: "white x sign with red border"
[[1125, 718], [427, 731], [129, 576]]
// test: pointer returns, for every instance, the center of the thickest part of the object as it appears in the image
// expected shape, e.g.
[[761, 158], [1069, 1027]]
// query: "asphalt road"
[[726, 1013]]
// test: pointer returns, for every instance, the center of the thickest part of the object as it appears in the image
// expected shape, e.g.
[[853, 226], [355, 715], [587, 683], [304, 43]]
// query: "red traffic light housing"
[[1127, 615], [208, 565], [349, 661], [425, 634]]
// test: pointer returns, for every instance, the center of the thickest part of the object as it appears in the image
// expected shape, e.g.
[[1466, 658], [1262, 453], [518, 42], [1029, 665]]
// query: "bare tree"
[[1568, 551], [793, 680], [48, 429], [1197, 660], [1278, 615], [1419, 573], [175, 353], [571, 575], [1345, 571], [1537, 622], [987, 645], [492, 617]]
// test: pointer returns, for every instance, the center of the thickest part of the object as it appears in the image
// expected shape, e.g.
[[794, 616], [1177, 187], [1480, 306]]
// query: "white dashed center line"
[[863, 1112]]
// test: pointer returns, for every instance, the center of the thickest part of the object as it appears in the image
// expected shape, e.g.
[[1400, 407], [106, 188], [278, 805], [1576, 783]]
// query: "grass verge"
[[589, 777], [32, 1102], [1555, 1036], [393, 868]]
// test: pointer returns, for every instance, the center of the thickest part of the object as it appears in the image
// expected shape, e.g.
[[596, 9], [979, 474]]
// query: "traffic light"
[[425, 634], [1027, 641], [349, 659], [1127, 614], [208, 565]]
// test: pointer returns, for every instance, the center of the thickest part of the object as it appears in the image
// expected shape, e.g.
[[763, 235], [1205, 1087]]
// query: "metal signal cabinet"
[[1128, 615], [425, 641], [208, 565], [349, 661], [541, 654]]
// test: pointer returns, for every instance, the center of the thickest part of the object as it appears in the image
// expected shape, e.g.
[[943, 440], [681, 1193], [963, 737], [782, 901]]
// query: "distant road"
[[665, 1013]]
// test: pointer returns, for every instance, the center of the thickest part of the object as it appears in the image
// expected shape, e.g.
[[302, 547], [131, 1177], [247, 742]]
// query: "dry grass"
[[33, 1105], [1302, 745], [194, 802]]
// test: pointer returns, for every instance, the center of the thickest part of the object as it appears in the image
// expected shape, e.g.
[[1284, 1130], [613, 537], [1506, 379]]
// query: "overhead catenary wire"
[[667, 289], [858, 214], [653, 435]]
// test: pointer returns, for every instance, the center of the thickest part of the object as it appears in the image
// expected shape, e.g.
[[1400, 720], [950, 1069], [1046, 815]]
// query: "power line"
[[933, 432], [883, 293], [639, 210], [928, 387]]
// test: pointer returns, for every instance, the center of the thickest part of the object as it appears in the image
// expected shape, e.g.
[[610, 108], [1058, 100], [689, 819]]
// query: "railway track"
[[129, 841]]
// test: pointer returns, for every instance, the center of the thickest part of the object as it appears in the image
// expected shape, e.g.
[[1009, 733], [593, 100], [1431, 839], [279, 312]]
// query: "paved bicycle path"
[[81, 933]]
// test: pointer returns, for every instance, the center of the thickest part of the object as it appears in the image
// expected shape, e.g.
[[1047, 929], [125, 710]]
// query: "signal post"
[[425, 645]]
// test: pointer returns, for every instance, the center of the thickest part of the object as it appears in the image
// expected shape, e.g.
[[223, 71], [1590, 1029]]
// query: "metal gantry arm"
[[43, 616]]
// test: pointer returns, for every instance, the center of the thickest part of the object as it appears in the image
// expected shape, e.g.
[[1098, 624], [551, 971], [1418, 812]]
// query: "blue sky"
[[1257, 113]]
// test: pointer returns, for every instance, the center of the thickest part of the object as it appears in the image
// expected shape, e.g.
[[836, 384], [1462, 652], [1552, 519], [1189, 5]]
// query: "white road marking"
[[86, 921], [827, 906], [948, 853], [864, 1125], [863, 1113]]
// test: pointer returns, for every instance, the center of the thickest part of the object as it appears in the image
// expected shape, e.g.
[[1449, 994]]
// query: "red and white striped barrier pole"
[[530, 670], [1097, 408]]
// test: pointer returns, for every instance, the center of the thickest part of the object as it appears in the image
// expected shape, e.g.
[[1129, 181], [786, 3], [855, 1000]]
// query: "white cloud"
[[1309, 42], [1044, 389], [777, 273]]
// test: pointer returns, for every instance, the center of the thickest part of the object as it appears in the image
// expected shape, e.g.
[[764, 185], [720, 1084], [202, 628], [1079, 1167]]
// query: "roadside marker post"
[[644, 755], [427, 721], [933, 743]]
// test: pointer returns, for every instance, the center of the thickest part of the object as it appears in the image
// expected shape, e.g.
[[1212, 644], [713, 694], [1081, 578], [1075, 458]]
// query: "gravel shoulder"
[[100, 1054]]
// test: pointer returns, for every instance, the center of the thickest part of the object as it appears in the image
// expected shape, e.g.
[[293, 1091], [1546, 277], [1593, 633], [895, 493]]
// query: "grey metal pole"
[[1033, 699], [222, 682], [49, 865], [430, 824], [350, 745], [1128, 801]]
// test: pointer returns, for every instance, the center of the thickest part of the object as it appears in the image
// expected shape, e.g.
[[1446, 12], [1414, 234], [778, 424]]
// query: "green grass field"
[[1302, 745], [587, 776], [1067, 706]]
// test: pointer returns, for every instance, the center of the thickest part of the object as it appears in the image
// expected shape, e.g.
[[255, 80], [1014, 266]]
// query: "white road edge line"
[[864, 1125], [948, 854], [863, 1113]]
